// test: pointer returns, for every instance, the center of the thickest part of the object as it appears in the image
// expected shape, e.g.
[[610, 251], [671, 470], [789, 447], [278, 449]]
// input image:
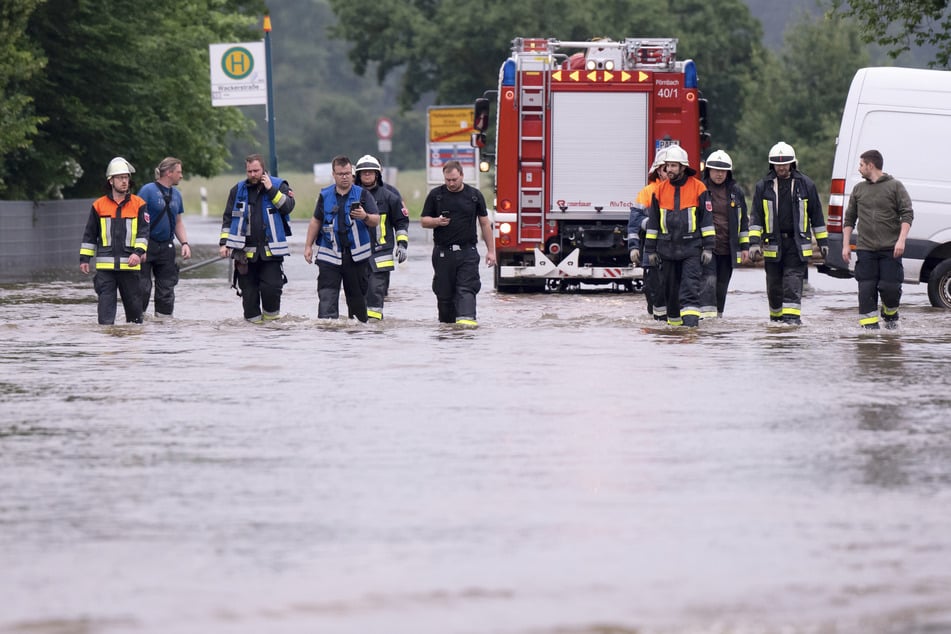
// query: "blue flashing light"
[[690, 74], [508, 73]]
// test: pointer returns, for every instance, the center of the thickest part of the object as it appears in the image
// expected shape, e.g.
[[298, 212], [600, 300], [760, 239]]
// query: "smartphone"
[[353, 206], [444, 214]]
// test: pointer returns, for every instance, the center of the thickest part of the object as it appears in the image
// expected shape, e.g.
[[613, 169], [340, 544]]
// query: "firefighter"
[[341, 226], [392, 230], [452, 211], [254, 230], [636, 225], [680, 237], [731, 223], [784, 217], [117, 235]]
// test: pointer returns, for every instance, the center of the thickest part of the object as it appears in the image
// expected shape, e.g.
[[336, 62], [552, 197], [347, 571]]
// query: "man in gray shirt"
[[882, 207]]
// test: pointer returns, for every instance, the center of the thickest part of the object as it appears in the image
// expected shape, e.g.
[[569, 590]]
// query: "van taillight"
[[836, 200]]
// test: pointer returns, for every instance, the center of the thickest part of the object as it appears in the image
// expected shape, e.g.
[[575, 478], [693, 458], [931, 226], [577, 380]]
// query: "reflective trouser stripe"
[[868, 319]]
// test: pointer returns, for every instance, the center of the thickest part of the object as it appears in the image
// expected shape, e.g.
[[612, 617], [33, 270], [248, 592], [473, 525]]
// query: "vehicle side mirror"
[[481, 115]]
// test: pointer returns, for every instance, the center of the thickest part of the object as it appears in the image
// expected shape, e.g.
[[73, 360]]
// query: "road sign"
[[238, 74], [384, 128], [450, 124]]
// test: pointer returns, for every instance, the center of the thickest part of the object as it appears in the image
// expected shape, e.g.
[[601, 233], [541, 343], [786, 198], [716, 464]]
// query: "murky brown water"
[[568, 467]]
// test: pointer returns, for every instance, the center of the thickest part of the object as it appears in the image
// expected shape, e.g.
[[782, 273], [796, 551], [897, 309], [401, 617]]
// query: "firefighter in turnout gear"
[[117, 236], [680, 237], [636, 233], [731, 223], [254, 230], [452, 210], [392, 231], [785, 214]]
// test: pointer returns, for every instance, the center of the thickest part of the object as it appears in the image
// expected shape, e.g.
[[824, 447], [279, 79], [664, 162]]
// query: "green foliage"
[[798, 97], [322, 108], [446, 50], [129, 78], [898, 25], [19, 61]]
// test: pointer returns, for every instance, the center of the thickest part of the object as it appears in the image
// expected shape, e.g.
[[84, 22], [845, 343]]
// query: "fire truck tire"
[[939, 285]]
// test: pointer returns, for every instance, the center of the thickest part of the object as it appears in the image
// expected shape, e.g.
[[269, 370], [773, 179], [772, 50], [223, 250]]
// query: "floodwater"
[[568, 467]]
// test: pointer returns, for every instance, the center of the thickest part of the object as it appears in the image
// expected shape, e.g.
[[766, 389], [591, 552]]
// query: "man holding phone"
[[340, 226], [452, 211], [254, 230]]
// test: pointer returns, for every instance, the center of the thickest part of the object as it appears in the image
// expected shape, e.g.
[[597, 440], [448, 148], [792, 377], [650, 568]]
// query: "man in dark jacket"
[[390, 233], [784, 215], [731, 223], [254, 230]]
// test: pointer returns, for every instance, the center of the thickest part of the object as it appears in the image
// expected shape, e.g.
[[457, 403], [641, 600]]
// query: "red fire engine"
[[575, 136]]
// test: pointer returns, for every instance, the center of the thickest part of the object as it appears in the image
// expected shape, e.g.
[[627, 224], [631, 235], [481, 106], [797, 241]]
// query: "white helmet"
[[659, 159], [368, 162], [720, 160], [782, 154], [119, 165], [676, 154]]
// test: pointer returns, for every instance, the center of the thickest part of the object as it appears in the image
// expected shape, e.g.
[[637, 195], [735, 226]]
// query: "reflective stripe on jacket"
[[358, 235], [275, 237], [807, 216], [680, 222], [115, 231]]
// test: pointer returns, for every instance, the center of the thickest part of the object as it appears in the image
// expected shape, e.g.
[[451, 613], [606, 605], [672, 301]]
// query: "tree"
[[899, 24], [127, 78], [445, 50], [323, 108], [798, 97], [19, 61]]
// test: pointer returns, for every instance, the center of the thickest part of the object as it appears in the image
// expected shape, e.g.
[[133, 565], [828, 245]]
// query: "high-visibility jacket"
[[394, 222], [807, 216], [637, 221], [239, 228], [680, 220], [332, 232], [114, 231]]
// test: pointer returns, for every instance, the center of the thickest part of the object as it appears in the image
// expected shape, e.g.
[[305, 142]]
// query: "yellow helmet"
[[119, 165]]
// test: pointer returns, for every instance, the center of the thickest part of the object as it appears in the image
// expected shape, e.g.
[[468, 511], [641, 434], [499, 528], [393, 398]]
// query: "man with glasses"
[[340, 226]]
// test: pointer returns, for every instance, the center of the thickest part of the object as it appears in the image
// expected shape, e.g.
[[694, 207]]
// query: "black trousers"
[[261, 289], [160, 264], [355, 278], [456, 282], [879, 274], [378, 284], [681, 279], [784, 282], [716, 283], [106, 283]]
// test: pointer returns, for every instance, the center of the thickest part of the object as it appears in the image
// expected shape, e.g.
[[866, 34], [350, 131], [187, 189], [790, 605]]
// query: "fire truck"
[[577, 125]]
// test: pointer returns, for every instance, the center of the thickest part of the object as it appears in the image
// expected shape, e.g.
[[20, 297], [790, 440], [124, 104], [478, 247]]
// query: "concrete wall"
[[39, 239]]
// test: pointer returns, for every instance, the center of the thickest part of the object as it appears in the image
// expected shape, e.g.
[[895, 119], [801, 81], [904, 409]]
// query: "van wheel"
[[939, 285]]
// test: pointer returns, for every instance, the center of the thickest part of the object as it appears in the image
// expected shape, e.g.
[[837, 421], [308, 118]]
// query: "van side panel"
[[906, 115]]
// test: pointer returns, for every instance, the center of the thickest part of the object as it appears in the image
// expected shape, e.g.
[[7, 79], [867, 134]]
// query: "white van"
[[904, 113]]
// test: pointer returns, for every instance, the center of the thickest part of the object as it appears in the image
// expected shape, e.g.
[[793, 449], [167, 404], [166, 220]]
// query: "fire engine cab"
[[577, 126]]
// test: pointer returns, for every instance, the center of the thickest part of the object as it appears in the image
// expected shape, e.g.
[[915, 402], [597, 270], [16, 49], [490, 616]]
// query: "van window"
[[903, 139]]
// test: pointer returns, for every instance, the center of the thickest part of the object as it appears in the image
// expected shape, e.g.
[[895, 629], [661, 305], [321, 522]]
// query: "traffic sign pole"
[[270, 94]]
